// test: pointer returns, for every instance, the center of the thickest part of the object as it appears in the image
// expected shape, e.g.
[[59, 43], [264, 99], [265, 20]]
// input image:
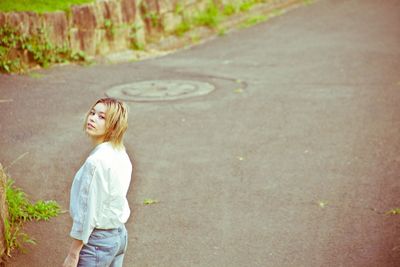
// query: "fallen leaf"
[[394, 211], [149, 201], [241, 158], [322, 204], [36, 75], [238, 90], [16, 160], [238, 81]]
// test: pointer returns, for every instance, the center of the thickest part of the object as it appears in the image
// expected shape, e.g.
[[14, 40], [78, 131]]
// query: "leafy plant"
[[151, 17], [179, 8], [149, 201], [18, 51], [109, 27], [213, 15], [210, 17], [230, 9], [183, 27], [135, 44], [21, 210], [154, 19], [9, 40], [246, 5]]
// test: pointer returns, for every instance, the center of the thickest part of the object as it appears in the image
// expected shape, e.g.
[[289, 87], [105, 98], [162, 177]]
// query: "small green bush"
[[21, 210], [210, 17], [230, 9], [183, 27]]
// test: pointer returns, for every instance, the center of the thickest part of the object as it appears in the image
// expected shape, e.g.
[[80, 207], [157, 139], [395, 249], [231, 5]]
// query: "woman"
[[98, 203]]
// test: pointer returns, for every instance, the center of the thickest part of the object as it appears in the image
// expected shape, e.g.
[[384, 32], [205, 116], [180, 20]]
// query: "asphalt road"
[[295, 165]]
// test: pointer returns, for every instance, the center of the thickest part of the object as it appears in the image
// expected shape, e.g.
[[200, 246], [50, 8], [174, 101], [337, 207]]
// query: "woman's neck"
[[97, 141]]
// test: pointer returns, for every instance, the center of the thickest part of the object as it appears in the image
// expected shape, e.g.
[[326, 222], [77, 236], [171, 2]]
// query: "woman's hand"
[[71, 261], [73, 256]]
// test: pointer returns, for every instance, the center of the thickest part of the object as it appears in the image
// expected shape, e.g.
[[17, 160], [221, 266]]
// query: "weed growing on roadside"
[[179, 8], [210, 17], [21, 210], [254, 20], [230, 9], [109, 27], [308, 2], [151, 17], [134, 42], [183, 27], [213, 15], [245, 6], [154, 19]]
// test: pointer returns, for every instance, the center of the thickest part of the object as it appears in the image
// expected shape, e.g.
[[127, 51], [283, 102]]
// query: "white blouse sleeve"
[[84, 201]]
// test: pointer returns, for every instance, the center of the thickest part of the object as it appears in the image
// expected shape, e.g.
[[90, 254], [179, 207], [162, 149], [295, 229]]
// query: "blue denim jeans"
[[105, 248]]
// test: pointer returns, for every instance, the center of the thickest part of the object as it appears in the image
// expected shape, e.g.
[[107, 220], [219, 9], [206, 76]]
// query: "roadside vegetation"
[[39, 6], [20, 52], [213, 16], [17, 211]]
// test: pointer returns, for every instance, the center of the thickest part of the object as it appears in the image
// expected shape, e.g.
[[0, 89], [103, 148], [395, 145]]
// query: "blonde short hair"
[[116, 120]]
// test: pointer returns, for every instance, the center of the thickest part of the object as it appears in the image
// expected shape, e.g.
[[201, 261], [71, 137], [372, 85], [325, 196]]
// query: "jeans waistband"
[[119, 229]]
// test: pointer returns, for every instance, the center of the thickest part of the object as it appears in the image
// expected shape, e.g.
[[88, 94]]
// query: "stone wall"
[[102, 26], [112, 25]]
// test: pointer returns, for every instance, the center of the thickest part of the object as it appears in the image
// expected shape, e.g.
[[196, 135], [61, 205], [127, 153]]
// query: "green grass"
[[183, 27], [254, 20], [308, 2], [230, 9], [211, 17], [248, 4], [39, 6]]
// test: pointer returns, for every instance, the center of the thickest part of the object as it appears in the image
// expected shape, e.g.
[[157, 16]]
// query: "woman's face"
[[96, 121]]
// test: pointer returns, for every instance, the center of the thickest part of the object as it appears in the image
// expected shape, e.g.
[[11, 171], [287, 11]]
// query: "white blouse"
[[98, 193]]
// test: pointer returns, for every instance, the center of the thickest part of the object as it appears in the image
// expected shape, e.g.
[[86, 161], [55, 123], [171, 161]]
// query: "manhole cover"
[[160, 90]]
